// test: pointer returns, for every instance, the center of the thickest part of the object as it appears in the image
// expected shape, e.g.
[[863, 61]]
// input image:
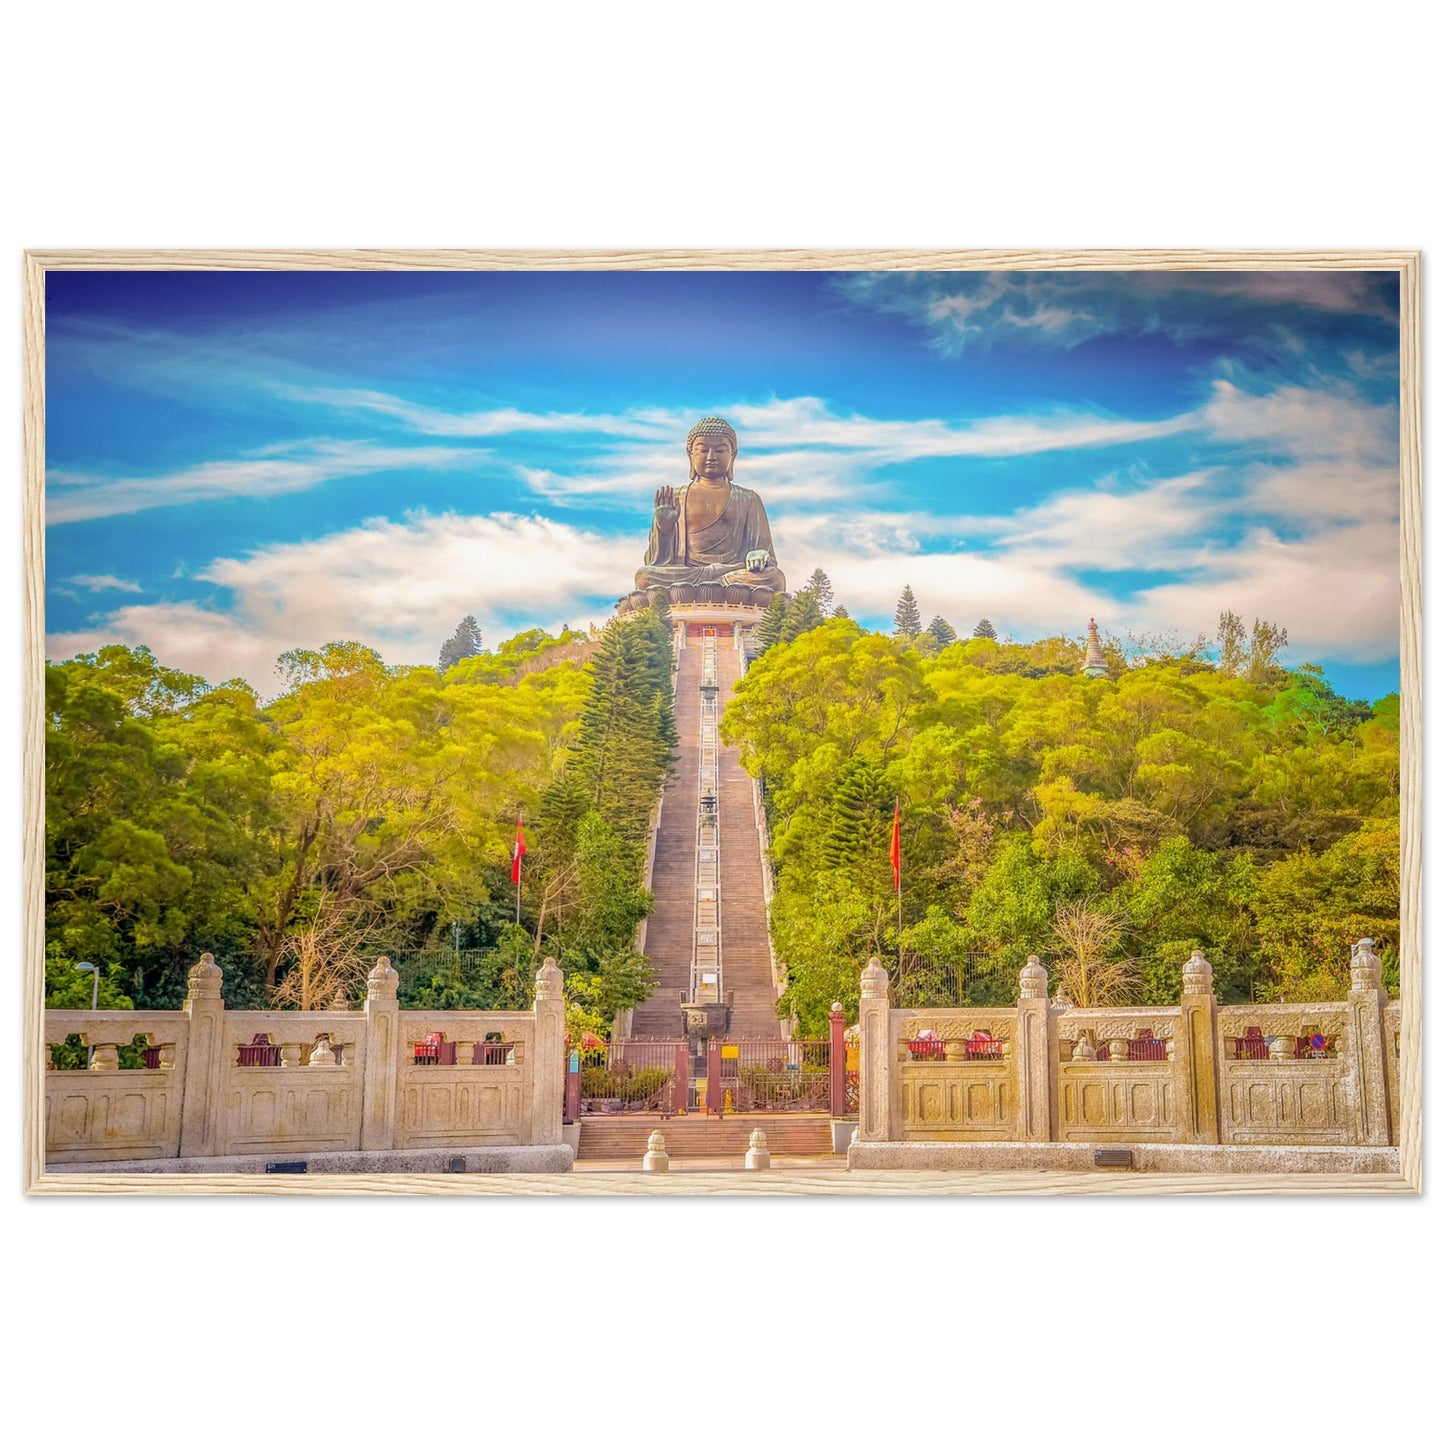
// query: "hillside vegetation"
[[1109, 824], [368, 809]]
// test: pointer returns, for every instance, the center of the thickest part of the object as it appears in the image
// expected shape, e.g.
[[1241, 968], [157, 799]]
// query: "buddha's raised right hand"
[[666, 508]]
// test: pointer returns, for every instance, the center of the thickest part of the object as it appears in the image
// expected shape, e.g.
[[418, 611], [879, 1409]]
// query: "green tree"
[[984, 628], [907, 621], [1229, 641], [466, 641], [821, 590], [942, 632], [769, 630], [1266, 642], [804, 615], [627, 734]]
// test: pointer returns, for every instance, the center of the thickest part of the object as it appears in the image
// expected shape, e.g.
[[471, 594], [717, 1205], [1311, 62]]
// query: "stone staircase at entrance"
[[703, 1136], [746, 965]]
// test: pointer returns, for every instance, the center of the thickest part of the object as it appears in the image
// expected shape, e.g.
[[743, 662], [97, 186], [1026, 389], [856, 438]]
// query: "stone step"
[[701, 1136]]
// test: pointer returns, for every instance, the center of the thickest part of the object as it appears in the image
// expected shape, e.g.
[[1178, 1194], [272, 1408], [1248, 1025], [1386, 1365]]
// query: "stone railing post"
[[875, 1066], [1034, 1056], [1196, 1053], [1367, 1043], [549, 1013], [379, 1084], [201, 1087]]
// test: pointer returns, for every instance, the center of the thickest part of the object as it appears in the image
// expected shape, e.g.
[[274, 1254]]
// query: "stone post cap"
[[381, 981], [656, 1144], [1198, 975], [204, 980], [1364, 965], [757, 1140], [1033, 979], [549, 980], [875, 979], [836, 1008]]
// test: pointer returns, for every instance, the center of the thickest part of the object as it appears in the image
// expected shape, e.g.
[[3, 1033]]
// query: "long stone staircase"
[[746, 966]]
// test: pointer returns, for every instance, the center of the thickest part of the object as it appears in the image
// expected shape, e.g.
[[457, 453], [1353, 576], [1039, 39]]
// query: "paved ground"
[[829, 1163]]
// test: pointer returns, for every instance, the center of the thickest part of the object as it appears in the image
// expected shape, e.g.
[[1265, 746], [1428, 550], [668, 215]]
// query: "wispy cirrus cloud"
[[792, 423], [103, 583], [72, 496], [961, 309], [499, 421]]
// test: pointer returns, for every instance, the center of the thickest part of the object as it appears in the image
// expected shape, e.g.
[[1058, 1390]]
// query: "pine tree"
[[860, 818], [942, 631], [907, 621], [627, 732], [804, 615], [840, 611], [984, 628], [821, 588], [466, 641], [770, 626]]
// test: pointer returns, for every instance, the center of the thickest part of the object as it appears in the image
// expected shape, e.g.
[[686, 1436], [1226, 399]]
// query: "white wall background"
[[1254, 124]]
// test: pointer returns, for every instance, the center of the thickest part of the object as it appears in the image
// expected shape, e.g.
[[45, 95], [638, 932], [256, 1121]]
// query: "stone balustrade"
[[1198, 1074], [245, 1082]]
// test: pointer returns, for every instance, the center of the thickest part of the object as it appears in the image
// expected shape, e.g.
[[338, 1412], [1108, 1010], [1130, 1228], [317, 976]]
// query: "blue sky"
[[240, 463]]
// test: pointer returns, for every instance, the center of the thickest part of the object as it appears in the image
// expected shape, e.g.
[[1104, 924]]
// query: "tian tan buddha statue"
[[711, 530]]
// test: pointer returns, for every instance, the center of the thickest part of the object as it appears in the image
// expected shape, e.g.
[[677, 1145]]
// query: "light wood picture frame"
[[1408, 1181]]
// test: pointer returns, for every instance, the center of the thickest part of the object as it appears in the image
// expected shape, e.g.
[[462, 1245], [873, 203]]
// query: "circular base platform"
[[736, 599]]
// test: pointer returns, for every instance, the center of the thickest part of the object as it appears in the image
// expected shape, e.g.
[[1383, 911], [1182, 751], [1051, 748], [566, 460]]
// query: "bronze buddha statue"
[[710, 530]]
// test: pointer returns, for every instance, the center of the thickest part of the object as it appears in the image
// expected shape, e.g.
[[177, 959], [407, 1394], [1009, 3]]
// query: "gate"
[[770, 1075], [729, 1076], [633, 1076]]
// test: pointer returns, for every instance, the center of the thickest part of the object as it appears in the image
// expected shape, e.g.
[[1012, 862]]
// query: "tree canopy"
[[1124, 820], [366, 809]]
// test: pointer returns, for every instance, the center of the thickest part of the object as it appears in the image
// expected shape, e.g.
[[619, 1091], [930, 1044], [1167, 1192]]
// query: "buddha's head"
[[712, 446]]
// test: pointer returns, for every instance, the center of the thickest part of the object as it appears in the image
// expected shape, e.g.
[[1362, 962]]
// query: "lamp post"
[[94, 973]]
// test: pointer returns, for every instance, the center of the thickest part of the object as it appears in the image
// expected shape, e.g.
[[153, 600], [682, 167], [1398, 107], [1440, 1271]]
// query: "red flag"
[[893, 851], [518, 848]]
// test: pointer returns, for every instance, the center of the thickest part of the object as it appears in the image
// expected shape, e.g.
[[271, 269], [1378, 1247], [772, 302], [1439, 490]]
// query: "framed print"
[[723, 722]]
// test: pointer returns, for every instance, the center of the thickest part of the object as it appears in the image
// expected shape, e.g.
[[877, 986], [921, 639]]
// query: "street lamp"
[[91, 969], [94, 973]]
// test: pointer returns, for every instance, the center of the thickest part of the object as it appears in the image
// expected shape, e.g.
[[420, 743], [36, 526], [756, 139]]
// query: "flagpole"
[[518, 848], [898, 880]]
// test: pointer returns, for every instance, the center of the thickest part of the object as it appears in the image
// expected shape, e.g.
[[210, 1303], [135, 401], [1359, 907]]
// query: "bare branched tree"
[[1085, 934], [323, 958]]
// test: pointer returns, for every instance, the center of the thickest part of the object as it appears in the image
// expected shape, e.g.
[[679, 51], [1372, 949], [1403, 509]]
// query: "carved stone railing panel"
[[125, 1114], [963, 1102], [463, 1107], [1294, 1101], [1115, 1102], [275, 1110]]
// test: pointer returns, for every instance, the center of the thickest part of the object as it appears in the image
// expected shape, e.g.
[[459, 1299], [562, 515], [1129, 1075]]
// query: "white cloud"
[[965, 309], [398, 586], [1306, 422], [497, 422], [795, 424], [104, 583], [78, 497], [1337, 592]]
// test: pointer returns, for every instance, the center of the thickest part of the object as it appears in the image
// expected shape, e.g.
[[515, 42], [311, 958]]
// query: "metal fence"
[[979, 980], [774, 1075], [631, 1076]]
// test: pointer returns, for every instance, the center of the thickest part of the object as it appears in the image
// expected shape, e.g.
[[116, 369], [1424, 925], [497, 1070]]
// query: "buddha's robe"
[[689, 553]]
